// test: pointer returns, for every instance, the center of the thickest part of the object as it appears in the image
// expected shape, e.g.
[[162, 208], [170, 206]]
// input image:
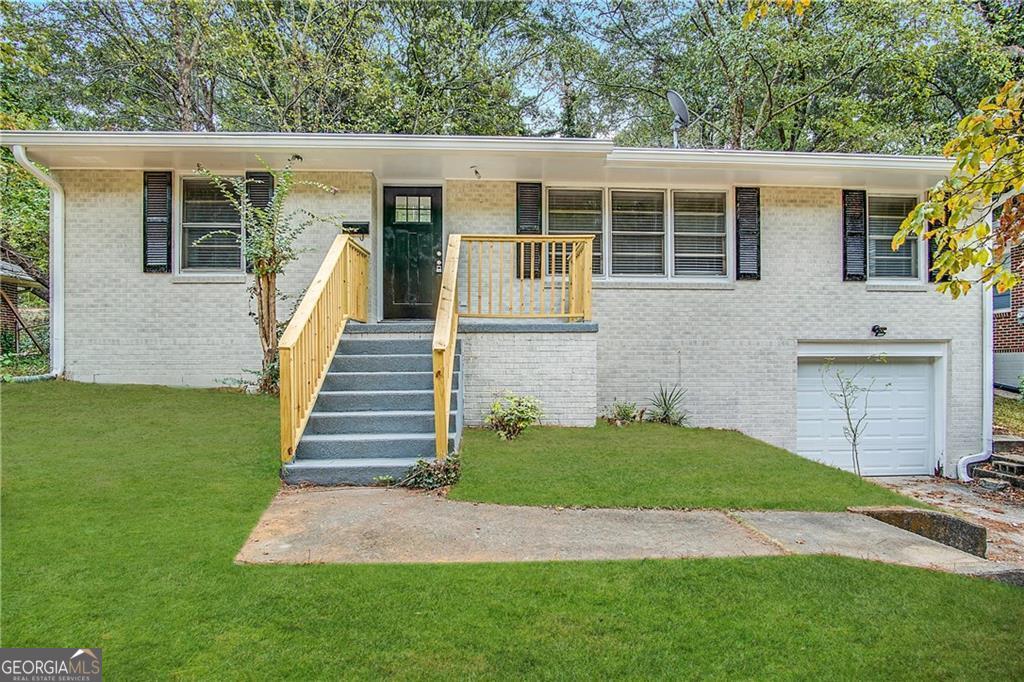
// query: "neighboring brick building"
[[13, 279], [1008, 329]]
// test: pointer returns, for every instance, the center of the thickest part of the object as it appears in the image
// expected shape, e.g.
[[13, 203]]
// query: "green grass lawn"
[[1008, 415], [123, 508], [653, 465]]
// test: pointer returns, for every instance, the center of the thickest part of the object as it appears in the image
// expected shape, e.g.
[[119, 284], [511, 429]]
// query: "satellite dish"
[[682, 115]]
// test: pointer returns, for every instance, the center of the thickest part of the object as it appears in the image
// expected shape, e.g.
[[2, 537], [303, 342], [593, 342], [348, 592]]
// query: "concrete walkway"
[[373, 525]]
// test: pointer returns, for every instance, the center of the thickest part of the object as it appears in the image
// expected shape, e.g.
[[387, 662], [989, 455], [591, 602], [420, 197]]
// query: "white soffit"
[[432, 158]]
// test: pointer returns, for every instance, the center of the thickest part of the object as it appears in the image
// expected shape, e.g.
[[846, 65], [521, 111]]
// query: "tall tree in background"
[[139, 65], [882, 77], [299, 66], [889, 76], [457, 66]]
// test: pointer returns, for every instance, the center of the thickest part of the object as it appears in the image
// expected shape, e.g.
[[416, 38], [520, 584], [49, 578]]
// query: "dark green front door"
[[412, 251]]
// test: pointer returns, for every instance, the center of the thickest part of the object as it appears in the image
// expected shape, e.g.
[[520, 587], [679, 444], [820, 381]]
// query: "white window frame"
[[666, 240], [178, 213], [730, 236], [604, 218], [922, 252], [669, 276]]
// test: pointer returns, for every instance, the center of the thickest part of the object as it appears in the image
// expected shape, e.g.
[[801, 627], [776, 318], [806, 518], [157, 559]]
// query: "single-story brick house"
[[582, 273]]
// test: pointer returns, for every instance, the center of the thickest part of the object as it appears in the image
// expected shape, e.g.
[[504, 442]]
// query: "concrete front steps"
[[375, 413], [1005, 467]]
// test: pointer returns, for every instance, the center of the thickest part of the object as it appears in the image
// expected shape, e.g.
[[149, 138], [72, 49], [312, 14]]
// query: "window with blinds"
[[638, 233], [884, 217], [699, 237], [211, 228], [578, 211]]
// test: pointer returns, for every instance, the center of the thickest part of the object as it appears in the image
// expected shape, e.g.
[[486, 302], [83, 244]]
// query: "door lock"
[[438, 264]]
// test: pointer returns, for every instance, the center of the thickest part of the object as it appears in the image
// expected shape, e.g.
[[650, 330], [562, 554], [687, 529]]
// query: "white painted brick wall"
[[124, 325], [734, 349], [560, 370]]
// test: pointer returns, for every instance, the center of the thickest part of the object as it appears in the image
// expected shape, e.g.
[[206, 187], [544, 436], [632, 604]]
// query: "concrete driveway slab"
[[861, 537], [372, 525]]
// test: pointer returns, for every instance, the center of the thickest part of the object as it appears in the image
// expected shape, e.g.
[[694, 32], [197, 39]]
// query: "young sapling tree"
[[268, 240]]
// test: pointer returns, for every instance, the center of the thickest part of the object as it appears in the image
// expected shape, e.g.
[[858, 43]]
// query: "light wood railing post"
[[446, 328], [308, 344]]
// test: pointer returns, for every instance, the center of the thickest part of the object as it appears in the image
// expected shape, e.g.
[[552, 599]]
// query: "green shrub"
[[667, 406], [623, 412], [511, 415], [426, 475]]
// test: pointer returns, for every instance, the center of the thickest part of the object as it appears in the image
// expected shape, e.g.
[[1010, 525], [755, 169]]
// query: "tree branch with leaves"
[[987, 178]]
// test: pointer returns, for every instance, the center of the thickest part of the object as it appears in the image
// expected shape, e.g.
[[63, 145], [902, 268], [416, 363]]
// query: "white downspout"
[[56, 259], [987, 392]]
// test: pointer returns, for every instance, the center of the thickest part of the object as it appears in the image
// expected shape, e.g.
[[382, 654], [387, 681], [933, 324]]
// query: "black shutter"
[[855, 235], [259, 187], [748, 233], [528, 222], [156, 221]]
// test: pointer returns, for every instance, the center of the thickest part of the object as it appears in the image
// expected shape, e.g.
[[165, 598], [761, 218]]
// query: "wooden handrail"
[[446, 329], [526, 277], [337, 294]]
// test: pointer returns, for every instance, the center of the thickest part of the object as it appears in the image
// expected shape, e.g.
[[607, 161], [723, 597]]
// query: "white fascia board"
[[292, 141], [726, 158]]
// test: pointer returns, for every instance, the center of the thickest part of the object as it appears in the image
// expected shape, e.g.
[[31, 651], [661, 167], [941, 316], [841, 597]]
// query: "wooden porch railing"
[[337, 294], [513, 276], [505, 276]]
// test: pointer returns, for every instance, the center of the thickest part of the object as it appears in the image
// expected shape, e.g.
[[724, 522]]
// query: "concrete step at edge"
[[367, 445], [376, 401], [387, 363], [364, 346], [346, 471], [381, 421], [368, 381]]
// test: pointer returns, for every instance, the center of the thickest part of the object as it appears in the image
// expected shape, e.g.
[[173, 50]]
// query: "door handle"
[[438, 266]]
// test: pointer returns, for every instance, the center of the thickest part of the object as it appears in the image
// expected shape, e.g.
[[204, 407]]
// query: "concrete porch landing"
[[373, 525]]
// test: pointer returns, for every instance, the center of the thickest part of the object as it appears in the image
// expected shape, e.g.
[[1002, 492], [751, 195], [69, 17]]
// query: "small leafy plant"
[[511, 415], [384, 481], [623, 412], [424, 475], [667, 406]]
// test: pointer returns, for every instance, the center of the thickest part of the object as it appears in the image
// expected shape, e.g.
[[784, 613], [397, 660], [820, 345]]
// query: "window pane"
[[211, 228], [205, 203], [885, 214], [699, 233], [577, 211], [412, 209], [638, 233]]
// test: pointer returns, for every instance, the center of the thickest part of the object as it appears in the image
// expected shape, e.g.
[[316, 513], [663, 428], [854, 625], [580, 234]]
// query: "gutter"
[[988, 394], [56, 262]]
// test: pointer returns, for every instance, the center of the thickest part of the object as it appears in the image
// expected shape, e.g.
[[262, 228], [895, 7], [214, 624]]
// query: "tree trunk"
[[266, 318]]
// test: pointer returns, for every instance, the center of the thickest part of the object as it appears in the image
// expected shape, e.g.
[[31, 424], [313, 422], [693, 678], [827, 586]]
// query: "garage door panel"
[[899, 428]]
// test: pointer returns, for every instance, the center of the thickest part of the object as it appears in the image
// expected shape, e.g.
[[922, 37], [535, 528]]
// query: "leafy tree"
[[988, 174], [879, 77]]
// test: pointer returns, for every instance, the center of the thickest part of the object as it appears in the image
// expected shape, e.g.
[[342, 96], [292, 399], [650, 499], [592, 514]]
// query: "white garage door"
[[899, 432]]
